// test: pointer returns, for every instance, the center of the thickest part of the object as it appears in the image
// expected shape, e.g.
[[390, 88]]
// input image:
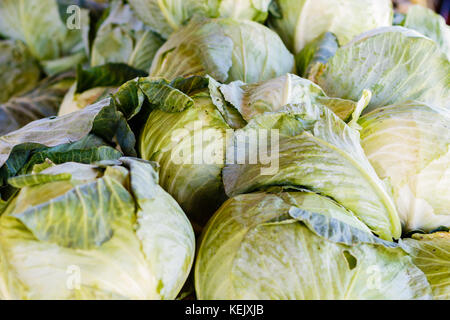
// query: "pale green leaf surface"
[[30, 180], [167, 16], [316, 53], [166, 234], [431, 253], [318, 151], [46, 35], [141, 243], [396, 64], [249, 250], [123, 38], [408, 144], [275, 94], [302, 21], [226, 49], [231, 115], [83, 218], [430, 24], [191, 162], [40, 270]]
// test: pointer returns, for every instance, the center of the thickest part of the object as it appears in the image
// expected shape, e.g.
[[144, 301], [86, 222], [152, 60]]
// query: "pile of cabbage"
[[226, 149]]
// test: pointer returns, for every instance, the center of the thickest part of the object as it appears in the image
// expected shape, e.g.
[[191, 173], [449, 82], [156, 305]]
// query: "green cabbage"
[[299, 245], [429, 24], [40, 24], [19, 71], [396, 64], [315, 150], [190, 167], [408, 144], [302, 21], [169, 15], [77, 231], [225, 49], [122, 38]]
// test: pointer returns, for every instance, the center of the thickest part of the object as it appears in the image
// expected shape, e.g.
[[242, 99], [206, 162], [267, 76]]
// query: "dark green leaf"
[[86, 156], [18, 146], [110, 74], [129, 99], [167, 98]]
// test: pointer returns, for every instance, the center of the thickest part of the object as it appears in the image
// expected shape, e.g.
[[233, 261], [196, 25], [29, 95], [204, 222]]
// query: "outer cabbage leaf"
[[300, 24], [250, 250], [96, 83], [19, 72], [231, 115], [226, 49], [131, 260], [169, 15], [166, 234], [88, 150], [52, 131], [82, 217], [396, 64], [409, 145], [106, 119], [429, 24], [431, 253], [318, 151], [273, 95], [43, 101], [107, 75]]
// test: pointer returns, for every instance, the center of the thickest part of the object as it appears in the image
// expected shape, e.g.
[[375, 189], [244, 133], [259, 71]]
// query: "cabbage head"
[[395, 63], [19, 71], [122, 38], [301, 246], [100, 231], [408, 145], [186, 135], [316, 150], [301, 21], [169, 15], [225, 49], [57, 39]]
